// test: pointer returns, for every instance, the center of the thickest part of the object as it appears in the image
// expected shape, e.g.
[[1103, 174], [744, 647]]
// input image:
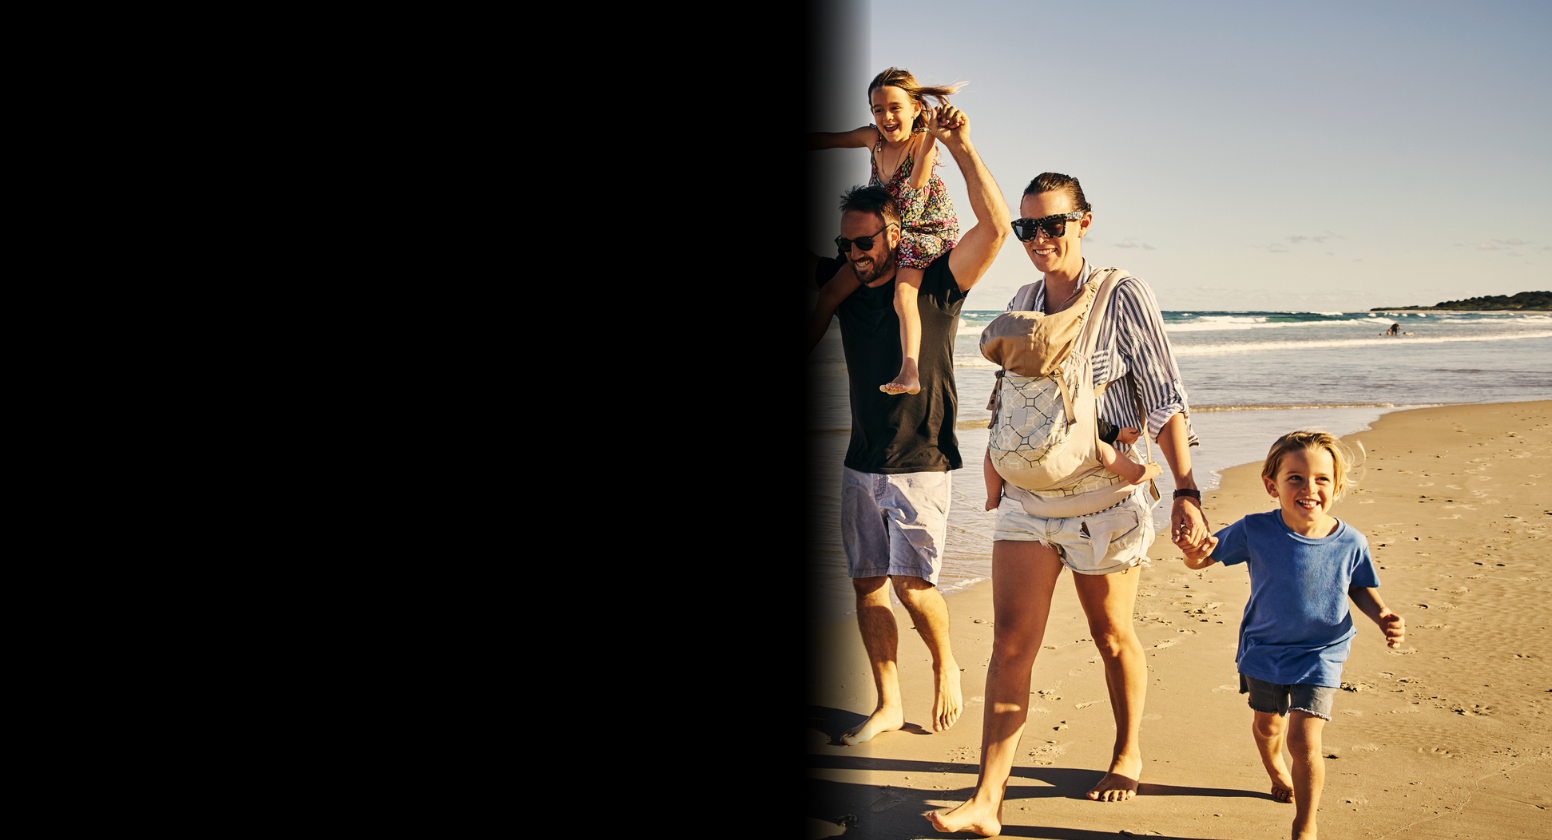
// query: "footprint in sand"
[[1366, 747], [1089, 703], [1167, 643], [889, 800], [1404, 710], [1353, 712], [1233, 688], [1151, 716]]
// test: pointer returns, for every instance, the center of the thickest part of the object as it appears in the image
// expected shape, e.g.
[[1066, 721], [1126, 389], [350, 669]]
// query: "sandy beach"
[[1448, 737]]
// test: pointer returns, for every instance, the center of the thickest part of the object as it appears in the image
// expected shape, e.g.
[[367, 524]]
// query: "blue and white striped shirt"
[[1132, 340]]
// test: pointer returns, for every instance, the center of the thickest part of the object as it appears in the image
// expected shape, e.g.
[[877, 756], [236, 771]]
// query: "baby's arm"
[[830, 296], [859, 138], [1367, 599], [1201, 558], [907, 286], [1125, 467], [993, 482]]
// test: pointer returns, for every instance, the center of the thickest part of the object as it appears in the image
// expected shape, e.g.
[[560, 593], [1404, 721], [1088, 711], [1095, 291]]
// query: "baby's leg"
[[1271, 731], [1309, 770], [830, 296], [993, 482], [907, 284], [1125, 467]]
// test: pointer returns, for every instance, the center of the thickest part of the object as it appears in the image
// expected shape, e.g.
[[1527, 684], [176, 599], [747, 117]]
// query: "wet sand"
[[1450, 736]]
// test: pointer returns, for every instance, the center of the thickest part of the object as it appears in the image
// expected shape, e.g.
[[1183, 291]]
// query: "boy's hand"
[[1203, 550], [1394, 627]]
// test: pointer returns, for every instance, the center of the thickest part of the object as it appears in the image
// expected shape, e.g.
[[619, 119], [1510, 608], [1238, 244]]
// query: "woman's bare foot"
[[1120, 784], [882, 720], [947, 704], [981, 818]]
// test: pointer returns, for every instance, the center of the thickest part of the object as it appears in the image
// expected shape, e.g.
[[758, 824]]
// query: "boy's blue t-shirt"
[[1297, 627]]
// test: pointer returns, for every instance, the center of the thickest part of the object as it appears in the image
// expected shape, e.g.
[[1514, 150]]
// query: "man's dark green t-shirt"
[[902, 433]]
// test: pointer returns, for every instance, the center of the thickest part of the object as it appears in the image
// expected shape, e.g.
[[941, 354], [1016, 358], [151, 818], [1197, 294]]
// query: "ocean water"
[[1249, 377]]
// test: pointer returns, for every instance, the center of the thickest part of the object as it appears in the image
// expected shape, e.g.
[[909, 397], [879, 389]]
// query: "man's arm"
[[978, 247]]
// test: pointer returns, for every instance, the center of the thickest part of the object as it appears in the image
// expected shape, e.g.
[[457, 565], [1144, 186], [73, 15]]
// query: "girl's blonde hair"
[[1341, 459], [901, 78]]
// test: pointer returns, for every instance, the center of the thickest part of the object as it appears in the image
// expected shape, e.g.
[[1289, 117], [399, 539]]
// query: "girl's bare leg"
[[1271, 732], [1023, 578], [830, 296], [1309, 771], [1108, 601], [907, 285], [1125, 467]]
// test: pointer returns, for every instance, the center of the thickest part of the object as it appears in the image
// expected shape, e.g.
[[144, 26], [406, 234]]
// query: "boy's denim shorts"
[[1273, 699], [894, 524], [1113, 540]]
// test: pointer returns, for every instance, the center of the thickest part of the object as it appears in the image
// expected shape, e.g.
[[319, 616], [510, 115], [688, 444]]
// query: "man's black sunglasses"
[[1052, 226], [864, 243]]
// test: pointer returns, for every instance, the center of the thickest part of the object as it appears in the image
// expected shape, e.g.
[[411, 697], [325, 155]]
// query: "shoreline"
[[1446, 736]]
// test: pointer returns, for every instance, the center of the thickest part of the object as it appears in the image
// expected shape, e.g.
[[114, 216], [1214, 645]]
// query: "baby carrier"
[[1044, 437]]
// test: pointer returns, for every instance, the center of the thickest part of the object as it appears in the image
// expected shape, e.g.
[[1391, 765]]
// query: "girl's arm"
[[1368, 601], [921, 172], [860, 138]]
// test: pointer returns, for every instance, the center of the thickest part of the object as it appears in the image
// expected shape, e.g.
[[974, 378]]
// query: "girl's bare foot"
[[882, 720], [981, 818]]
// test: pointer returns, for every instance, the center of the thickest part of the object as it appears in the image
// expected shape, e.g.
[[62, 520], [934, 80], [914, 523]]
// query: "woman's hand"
[[1188, 528]]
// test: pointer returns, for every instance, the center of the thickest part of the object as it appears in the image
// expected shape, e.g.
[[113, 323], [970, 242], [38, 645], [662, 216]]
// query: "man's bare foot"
[[903, 384], [1120, 784], [969, 816], [882, 720], [947, 704]]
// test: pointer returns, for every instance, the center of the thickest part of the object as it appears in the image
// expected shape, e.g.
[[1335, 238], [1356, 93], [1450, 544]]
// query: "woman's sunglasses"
[[1052, 226], [864, 243]]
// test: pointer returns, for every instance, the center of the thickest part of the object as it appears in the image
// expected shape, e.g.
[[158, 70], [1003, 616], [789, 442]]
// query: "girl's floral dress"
[[927, 221]]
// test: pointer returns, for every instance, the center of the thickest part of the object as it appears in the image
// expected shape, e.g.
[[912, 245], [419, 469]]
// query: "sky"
[[1315, 156]]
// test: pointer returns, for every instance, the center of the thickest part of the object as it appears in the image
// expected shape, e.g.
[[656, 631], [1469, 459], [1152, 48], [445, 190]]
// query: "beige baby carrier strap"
[[1044, 435]]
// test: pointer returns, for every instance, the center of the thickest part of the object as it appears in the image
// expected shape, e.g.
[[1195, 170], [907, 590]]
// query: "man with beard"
[[895, 484]]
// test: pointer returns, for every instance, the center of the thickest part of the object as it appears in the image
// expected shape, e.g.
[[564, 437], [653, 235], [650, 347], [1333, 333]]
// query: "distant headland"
[[1523, 300]]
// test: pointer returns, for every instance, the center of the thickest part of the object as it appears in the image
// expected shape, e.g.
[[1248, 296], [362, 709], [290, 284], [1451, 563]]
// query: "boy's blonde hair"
[[1341, 460], [901, 78]]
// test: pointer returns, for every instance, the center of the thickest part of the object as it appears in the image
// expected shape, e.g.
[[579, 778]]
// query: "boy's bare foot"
[[1120, 784], [902, 385], [947, 704], [1282, 782], [882, 720], [969, 816]]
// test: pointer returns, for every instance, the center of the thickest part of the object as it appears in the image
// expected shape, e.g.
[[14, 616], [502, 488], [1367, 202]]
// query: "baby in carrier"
[[1037, 422]]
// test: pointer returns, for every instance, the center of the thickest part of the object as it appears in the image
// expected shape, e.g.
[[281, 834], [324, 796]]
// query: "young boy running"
[[1304, 565]]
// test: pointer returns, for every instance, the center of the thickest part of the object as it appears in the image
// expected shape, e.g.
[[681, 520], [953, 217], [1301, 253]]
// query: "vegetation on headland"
[[1523, 300]]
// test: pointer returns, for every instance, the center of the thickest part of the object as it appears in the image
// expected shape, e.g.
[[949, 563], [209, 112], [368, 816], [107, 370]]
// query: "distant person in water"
[[895, 485], [1395, 329]]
